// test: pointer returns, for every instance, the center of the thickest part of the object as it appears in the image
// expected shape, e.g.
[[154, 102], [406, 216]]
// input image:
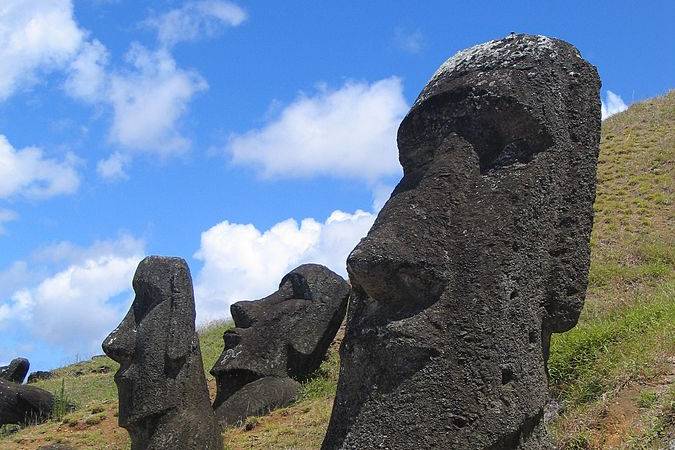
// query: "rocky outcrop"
[[163, 397], [480, 254], [258, 398], [22, 404], [278, 339], [16, 370], [39, 375]]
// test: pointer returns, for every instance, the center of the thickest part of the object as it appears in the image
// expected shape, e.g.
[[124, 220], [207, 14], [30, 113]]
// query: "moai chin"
[[480, 254], [163, 397]]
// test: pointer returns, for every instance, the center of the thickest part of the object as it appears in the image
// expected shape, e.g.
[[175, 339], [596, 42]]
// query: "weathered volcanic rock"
[[39, 375], [284, 335], [16, 370], [480, 254], [20, 404], [163, 397], [258, 398]]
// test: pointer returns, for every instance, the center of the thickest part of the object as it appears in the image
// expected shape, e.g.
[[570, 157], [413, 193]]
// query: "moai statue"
[[277, 342], [163, 398], [480, 254], [16, 370]]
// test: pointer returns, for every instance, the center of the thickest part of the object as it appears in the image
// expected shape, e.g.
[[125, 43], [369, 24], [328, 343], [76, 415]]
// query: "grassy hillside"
[[613, 375]]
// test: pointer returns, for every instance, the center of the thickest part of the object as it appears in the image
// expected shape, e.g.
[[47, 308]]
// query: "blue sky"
[[246, 137]]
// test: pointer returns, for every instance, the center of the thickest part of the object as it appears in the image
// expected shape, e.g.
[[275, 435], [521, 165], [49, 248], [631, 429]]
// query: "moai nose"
[[120, 344]]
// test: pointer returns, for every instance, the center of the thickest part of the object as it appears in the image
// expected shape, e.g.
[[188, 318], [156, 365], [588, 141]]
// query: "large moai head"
[[278, 341], [480, 254], [163, 397]]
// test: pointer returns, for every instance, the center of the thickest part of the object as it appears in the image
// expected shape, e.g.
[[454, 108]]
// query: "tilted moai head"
[[481, 253], [163, 397], [280, 337], [16, 370]]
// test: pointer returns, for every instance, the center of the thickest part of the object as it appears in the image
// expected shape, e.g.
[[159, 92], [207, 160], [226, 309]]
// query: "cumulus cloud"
[[73, 308], [87, 78], [35, 36], [112, 168], [196, 19], [149, 100], [612, 104], [241, 262], [349, 132], [27, 172]]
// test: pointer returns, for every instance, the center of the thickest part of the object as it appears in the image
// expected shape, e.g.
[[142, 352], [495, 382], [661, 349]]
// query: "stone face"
[[21, 404], [16, 370], [163, 397], [284, 335], [480, 254]]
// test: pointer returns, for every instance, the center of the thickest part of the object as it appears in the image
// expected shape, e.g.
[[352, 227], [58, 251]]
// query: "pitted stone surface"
[[480, 254], [284, 335], [163, 397]]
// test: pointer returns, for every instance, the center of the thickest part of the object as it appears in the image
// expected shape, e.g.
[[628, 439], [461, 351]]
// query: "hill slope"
[[614, 374]]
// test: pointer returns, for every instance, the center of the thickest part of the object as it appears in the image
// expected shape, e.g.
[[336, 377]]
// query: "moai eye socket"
[[501, 129], [504, 133]]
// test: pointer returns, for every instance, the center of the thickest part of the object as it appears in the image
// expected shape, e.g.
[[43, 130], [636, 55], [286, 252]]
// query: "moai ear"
[[181, 317]]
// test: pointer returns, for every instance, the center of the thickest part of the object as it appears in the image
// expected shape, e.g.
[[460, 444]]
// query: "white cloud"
[[35, 35], [112, 168], [149, 100], [87, 78], [18, 274], [244, 263], [66, 252], [71, 308], [349, 132], [28, 173], [612, 104], [6, 215], [196, 19], [409, 42]]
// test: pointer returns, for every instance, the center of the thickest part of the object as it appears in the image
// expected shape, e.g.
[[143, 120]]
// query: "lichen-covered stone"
[[284, 335], [163, 397], [480, 254]]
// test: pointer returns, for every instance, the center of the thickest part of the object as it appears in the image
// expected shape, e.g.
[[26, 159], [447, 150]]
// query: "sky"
[[245, 137]]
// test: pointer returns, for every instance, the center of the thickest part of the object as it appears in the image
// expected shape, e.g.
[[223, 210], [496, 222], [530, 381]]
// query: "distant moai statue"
[[480, 254], [277, 342], [163, 396]]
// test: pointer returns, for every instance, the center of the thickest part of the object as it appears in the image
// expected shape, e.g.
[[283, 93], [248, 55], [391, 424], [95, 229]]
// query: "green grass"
[[82, 382], [595, 357], [647, 399], [323, 383], [211, 342], [626, 333]]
